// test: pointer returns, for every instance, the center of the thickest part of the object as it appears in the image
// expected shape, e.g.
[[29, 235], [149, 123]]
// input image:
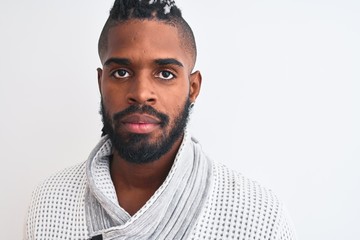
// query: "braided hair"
[[161, 10]]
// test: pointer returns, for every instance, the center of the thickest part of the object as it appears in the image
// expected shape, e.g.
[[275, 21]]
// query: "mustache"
[[142, 109]]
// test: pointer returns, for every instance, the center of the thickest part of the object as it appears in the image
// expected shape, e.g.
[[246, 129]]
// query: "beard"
[[137, 148]]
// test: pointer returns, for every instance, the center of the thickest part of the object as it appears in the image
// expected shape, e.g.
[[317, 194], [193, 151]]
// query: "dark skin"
[[145, 63]]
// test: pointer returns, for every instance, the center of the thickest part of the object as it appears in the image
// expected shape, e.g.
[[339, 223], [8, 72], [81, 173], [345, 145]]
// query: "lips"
[[140, 123], [140, 119]]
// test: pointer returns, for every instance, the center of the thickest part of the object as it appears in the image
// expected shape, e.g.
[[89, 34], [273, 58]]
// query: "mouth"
[[140, 123]]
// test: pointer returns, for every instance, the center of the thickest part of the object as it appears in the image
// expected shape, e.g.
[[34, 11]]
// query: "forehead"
[[145, 39]]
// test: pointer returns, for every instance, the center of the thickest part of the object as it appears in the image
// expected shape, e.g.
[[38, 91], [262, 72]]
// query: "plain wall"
[[279, 102]]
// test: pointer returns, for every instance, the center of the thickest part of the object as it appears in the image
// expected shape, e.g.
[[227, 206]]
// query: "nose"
[[141, 91]]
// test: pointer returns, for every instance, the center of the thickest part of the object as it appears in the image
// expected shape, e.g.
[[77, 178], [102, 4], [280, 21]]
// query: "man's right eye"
[[121, 73]]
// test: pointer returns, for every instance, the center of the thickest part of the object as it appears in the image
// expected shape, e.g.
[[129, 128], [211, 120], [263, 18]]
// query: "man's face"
[[146, 87]]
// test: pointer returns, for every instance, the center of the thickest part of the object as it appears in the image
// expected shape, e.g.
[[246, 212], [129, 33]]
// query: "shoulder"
[[69, 180], [234, 183], [57, 203], [239, 206], [244, 193]]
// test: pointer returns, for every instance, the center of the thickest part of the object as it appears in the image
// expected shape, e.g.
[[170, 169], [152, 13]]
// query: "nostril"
[[132, 100], [150, 100]]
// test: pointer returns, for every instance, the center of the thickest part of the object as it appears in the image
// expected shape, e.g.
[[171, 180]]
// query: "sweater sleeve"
[[56, 209], [30, 221], [285, 230]]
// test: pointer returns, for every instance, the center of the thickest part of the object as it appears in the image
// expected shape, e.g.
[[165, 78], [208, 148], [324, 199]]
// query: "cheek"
[[113, 98], [174, 103], [176, 106], [174, 97]]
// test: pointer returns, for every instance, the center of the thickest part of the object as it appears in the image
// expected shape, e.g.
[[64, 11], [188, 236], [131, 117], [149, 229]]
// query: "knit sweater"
[[236, 208]]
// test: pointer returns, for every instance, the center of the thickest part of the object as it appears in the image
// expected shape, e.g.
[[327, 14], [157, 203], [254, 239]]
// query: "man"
[[148, 178]]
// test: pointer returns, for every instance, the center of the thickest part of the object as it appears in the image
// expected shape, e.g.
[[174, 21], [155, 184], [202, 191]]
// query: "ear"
[[99, 76], [195, 85]]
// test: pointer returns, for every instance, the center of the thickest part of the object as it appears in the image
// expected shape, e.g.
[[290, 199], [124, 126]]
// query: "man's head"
[[147, 86]]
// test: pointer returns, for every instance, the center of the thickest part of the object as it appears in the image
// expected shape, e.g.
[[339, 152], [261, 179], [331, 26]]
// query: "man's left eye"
[[166, 75]]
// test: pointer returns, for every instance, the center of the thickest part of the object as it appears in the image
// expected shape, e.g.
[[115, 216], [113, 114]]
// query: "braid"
[[144, 9], [123, 10], [160, 10]]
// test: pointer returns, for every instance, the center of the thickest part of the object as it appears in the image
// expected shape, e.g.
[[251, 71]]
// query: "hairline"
[[183, 35]]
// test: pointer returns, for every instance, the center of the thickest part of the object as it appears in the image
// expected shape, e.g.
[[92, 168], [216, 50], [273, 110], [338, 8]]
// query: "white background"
[[279, 102]]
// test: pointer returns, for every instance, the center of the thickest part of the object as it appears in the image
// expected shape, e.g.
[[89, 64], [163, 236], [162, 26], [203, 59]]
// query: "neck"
[[136, 183]]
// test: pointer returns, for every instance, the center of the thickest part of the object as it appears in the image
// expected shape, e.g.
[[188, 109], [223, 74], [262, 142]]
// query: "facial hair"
[[137, 148]]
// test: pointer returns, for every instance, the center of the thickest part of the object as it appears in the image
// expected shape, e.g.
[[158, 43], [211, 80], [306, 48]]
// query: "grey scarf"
[[170, 213]]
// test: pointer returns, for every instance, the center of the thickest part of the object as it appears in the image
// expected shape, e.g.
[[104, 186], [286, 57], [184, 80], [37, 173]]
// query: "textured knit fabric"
[[235, 207], [169, 214]]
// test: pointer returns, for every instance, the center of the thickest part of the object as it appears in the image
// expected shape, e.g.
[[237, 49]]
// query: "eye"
[[166, 75], [121, 73]]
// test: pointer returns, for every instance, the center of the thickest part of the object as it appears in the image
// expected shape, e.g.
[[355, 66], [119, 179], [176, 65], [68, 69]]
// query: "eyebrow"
[[168, 61], [160, 61], [120, 61]]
